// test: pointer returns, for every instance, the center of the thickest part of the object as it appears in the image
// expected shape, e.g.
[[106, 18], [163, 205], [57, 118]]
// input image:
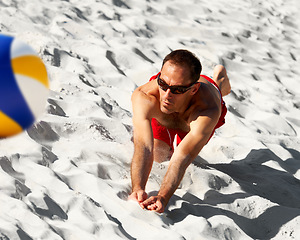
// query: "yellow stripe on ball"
[[8, 126], [31, 66]]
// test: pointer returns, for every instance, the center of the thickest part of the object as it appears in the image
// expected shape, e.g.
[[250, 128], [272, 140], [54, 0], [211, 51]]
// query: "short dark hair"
[[187, 59]]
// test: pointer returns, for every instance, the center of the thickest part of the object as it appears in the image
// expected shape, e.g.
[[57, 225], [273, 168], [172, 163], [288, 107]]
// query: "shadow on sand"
[[256, 179]]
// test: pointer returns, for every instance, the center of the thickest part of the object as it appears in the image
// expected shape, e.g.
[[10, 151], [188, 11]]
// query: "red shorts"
[[160, 132]]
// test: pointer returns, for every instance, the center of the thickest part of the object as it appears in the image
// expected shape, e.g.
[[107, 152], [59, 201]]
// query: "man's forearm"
[[140, 167], [173, 177]]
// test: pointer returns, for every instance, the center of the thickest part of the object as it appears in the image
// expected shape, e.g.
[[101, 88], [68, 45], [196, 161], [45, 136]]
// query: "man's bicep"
[[142, 120], [204, 124], [142, 129], [200, 132]]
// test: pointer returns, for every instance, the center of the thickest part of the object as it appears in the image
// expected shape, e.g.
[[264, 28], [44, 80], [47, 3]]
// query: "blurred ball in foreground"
[[24, 86]]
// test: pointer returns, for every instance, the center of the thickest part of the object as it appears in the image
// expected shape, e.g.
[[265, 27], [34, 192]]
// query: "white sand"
[[68, 177]]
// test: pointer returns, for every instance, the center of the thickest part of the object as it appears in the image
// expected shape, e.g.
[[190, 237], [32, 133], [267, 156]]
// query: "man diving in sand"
[[176, 103]]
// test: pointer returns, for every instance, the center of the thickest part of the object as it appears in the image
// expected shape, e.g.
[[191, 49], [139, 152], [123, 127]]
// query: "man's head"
[[186, 59], [180, 68]]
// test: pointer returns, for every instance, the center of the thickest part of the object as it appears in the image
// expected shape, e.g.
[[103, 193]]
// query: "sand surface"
[[68, 177]]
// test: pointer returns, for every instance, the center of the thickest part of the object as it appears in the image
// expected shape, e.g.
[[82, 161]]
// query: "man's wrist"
[[136, 189], [163, 200]]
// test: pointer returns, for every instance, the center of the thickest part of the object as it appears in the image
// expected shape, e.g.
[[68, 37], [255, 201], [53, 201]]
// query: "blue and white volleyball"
[[24, 86]]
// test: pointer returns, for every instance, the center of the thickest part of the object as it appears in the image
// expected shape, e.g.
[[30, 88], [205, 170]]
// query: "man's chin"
[[166, 110]]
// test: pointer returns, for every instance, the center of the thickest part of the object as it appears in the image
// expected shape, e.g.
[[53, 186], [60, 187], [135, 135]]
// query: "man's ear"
[[195, 88]]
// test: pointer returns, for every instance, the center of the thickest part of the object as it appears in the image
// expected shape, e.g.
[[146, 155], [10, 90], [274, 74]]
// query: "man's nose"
[[168, 93]]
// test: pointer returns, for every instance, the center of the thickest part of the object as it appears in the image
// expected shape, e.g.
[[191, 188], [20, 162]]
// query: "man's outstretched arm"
[[184, 154], [141, 165], [176, 169], [143, 145]]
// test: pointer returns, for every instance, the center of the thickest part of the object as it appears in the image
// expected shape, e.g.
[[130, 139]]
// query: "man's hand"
[[154, 203], [138, 196]]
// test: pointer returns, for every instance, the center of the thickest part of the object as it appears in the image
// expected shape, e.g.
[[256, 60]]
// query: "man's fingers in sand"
[[142, 196], [153, 204], [138, 196], [148, 202]]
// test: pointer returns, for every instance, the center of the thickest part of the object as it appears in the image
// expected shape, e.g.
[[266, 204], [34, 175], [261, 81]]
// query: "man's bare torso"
[[206, 99]]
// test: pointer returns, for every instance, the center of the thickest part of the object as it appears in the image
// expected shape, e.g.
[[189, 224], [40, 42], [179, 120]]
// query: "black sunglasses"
[[174, 89]]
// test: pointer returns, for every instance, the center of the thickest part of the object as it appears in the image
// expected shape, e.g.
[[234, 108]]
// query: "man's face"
[[173, 75]]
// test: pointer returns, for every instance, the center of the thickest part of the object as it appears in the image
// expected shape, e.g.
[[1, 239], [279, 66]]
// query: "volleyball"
[[24, 86]]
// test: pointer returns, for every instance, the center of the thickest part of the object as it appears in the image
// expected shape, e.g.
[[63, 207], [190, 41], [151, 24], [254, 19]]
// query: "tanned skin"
[[196, 111]]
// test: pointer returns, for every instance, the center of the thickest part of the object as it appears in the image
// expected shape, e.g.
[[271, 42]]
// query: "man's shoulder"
[[146, 92], [208, 97], [144, 100]]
